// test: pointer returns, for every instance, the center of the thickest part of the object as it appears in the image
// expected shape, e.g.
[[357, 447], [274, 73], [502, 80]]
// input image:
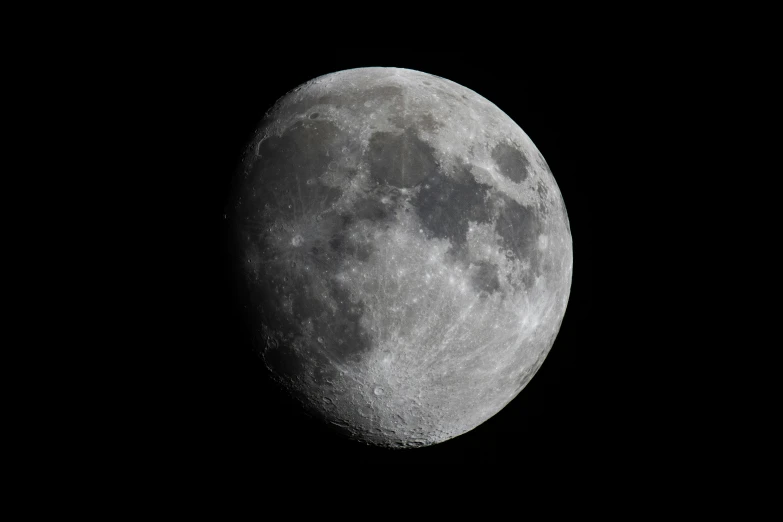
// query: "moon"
[[406, 253]]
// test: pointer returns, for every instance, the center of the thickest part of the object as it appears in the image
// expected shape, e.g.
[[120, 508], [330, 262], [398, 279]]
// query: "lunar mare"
[[407, 253]]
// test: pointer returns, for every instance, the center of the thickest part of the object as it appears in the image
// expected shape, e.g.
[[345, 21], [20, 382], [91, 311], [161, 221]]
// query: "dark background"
[[222, 414]]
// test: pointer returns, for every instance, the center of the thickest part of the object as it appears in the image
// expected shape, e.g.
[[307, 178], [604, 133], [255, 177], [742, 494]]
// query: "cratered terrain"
[[406, 253]]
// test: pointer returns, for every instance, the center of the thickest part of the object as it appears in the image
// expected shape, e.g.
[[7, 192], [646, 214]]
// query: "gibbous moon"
[[406, 251]]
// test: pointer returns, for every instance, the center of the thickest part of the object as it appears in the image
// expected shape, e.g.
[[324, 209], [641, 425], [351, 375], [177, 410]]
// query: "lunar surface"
[[406, 251]]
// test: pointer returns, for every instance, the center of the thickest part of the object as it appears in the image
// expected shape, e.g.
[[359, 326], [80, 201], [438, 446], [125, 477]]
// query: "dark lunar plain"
[[234, 420]]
